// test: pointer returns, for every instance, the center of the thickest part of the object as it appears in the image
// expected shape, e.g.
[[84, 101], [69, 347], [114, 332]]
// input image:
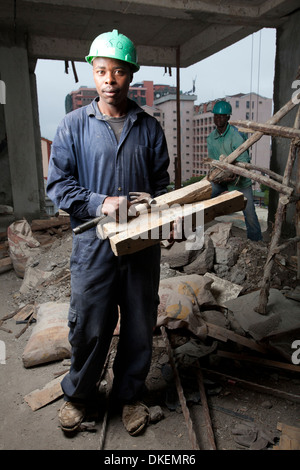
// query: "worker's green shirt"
[[225, 144]]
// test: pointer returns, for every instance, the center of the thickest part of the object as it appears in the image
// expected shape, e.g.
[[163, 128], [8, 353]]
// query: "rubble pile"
[[208, 288], [232, 258]]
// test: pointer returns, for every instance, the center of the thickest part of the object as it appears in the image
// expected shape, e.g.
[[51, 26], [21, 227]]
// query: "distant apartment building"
[[165, 110], [143, 93], [81, 97], [156, 112], [249, 106]]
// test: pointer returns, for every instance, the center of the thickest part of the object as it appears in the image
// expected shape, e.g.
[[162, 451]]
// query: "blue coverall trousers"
[[251, 220], [100, 282]]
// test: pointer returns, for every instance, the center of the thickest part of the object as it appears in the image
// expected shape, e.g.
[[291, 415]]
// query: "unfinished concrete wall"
[[286, 67], [5, 180], [24, 190]]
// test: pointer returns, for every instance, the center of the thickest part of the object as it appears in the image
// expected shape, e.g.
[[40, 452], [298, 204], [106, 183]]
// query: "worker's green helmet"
[[115, 46], [222, 107]]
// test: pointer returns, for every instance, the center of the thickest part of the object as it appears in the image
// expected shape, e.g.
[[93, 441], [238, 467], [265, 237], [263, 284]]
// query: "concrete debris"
[[156, 413], [207, 301], [283, 314], [204, 260], [222, 289], [188, 353], [253, 436], [231, 265]]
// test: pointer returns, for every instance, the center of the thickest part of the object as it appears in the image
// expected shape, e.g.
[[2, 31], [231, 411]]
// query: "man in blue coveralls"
[[223, 141], [101, 153]]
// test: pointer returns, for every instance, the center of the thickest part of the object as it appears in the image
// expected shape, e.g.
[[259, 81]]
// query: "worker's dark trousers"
[[251, 219], [100, 281]]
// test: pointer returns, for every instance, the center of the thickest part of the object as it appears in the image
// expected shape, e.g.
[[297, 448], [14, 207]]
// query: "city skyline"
[[246, 66]]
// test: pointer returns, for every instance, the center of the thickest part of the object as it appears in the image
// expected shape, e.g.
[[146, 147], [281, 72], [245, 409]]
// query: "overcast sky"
[[247, 66]]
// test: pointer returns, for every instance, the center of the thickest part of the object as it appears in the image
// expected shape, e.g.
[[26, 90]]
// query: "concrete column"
[[285, 85], [21, 131]]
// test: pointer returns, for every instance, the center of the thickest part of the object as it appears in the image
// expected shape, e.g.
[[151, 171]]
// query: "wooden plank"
[[254, 386], [290, 438], [43, 224], [259, 360], [223, 334], [149, 228], [192, 193], [207, 418], [25, 312], [179, 388], [4, 250], [41, 397], [5, 264]]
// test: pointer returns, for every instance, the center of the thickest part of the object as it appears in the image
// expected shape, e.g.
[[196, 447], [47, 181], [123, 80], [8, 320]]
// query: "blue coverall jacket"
[[87, 164]]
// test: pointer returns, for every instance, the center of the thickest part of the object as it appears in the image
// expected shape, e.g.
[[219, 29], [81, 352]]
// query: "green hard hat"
[[222, 107], [115, 46]]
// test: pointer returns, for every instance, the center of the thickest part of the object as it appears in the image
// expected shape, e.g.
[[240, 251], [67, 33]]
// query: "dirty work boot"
[[135, 417], [71, 416]]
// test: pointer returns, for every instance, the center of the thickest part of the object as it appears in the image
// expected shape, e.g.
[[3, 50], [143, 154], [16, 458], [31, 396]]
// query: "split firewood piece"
[[150, 228], [189, 194]]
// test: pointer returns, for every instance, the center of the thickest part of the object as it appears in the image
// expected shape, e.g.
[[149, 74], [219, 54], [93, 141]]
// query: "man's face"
[[112, 79], [221, 121]]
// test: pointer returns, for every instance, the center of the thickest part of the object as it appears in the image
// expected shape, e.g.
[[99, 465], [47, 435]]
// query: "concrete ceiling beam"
[[212, 40], [169, 8], [42, 47], [183, 8]]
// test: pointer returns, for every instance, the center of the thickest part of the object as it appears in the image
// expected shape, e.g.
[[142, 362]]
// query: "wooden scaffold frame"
[[289, 191]]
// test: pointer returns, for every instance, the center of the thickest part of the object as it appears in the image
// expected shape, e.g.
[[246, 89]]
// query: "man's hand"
[[116, 207]]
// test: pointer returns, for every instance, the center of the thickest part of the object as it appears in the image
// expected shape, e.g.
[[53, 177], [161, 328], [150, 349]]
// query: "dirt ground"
[[237, 413]]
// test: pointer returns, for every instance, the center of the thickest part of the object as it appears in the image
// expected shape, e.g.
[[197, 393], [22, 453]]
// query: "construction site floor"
[[243, 417]]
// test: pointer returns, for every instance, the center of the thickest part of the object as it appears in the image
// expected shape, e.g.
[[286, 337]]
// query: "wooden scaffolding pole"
[[267, 129], [178, 158], [254, 138], [240, 170], [282, 185], [279, 219]]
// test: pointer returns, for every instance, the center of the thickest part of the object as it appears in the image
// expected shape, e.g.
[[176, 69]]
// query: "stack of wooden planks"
[[191, 203]]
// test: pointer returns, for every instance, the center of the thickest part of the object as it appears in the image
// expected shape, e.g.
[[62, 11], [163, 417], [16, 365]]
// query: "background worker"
[[101, 153], [223, 141]]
